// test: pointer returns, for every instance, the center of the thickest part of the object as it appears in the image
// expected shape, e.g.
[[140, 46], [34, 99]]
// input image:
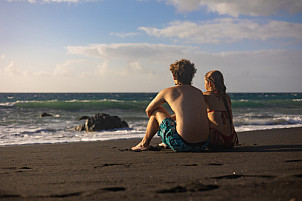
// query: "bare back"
[[218, 118], [189, 106]]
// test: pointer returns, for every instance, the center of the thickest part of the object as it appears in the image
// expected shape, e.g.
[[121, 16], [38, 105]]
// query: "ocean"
[[20, 121]]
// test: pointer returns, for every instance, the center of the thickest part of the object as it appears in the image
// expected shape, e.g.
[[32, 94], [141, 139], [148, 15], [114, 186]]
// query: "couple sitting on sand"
[[200, 120]]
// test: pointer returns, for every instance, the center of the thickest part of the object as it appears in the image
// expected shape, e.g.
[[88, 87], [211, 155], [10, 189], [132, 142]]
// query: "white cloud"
[[41, 74], [227, 30], [131, 68], [63, 70], [124, 35], [240, 7], [75, 68], [60, 1], [11, 69], [261, 70], [55, 1], [134, 62], [103, 68], [129, 51], [145, 67], [137, 68]]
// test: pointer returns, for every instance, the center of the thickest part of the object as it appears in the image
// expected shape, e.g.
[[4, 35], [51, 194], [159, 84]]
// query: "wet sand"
[[266, 166]]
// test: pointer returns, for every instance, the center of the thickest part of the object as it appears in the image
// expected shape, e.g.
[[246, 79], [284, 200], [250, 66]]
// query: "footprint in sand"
[[194, 187], [236, 176]]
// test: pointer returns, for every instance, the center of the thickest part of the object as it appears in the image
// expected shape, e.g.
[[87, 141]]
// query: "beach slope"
[[266, 166]]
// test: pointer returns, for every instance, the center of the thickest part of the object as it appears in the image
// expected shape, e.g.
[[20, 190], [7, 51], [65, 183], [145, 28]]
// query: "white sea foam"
[[262, 127], [63, 136]]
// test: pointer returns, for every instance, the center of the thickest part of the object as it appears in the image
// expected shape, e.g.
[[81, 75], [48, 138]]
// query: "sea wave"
[[133, 104], [50, 136], [264, 127], [288, 103], [75, 105], [267, 120]]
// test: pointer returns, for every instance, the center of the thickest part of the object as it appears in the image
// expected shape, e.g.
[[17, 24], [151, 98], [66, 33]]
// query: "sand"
[[266, 166]]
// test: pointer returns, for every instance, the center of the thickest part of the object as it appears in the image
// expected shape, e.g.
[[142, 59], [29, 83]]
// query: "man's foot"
[[140, 147], [163, 145]]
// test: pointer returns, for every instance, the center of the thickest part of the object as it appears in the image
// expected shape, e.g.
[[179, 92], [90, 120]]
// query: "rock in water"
[[44, 114], [83, 117], [101, 121]]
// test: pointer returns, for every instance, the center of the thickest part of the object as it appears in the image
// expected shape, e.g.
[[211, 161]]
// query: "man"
[[188, 128]]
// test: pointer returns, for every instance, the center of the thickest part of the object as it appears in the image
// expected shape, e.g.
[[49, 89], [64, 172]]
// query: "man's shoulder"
[[180, 89], [164, 92], [167, 90]]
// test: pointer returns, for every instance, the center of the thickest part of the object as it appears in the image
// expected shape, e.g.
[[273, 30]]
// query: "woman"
[[222, 133]]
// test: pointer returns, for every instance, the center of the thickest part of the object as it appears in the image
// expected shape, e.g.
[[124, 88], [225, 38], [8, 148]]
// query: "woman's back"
[[222, 133]]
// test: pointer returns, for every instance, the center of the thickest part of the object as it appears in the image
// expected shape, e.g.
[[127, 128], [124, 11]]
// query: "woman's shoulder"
[[213, 101], [208, 93]]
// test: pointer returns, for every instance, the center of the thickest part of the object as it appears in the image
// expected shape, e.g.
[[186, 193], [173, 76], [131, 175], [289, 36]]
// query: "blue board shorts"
[[170, 137]]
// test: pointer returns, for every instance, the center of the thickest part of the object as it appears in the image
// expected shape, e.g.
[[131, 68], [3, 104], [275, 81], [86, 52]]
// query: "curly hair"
[[183, 71]]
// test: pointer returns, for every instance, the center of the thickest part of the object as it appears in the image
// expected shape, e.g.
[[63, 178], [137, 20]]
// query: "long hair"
[[215, 77]]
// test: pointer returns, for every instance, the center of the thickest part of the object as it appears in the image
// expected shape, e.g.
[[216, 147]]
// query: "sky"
[[128, 45]]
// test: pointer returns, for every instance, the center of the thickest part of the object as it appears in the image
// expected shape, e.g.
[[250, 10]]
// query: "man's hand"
[[148, 112], [155, 103]]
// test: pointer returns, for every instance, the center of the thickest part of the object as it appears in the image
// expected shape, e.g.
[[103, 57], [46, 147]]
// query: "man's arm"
[[156, 103]]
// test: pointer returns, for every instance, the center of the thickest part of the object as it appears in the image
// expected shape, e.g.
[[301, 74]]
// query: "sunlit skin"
[[188, 105], [208, 85]]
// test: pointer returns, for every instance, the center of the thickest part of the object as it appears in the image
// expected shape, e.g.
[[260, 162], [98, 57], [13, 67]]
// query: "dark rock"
[[44, 114], [101, 121], [84, 117], [80, 127]]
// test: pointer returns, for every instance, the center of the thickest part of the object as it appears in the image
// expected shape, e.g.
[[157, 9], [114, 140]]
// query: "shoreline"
[[137, 138], [266, 166]]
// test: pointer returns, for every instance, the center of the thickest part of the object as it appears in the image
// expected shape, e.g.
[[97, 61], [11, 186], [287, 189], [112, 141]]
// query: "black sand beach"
[[266, 166]]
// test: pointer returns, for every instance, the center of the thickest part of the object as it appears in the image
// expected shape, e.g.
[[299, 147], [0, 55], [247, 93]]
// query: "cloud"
[[75, 68], [129, 51], [124, 35], [103, 69], [60, 1], [12, 70], [63, 70], [130, 68], [135, 60], [239, 7], [260, 70], [55, 1], [137, 69], [144, 67], [227, 30]]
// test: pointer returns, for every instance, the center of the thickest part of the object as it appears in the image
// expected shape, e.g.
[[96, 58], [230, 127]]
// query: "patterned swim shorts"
[[170, 137]]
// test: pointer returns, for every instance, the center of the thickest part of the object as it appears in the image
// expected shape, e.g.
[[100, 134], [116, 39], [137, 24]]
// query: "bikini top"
[[214, 102]]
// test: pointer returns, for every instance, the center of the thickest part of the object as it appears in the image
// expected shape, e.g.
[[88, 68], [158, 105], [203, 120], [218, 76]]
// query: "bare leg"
[[156, 118]]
